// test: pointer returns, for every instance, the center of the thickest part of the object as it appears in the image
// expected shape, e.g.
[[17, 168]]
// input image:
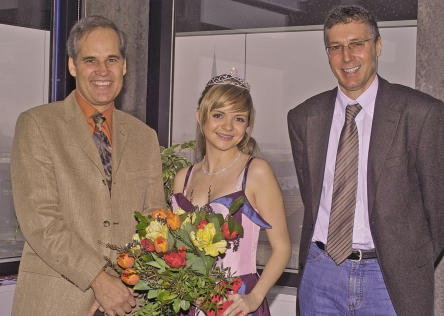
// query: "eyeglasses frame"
[[327, 48]]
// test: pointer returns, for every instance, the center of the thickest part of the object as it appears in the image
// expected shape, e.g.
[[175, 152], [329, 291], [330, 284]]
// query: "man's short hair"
[[350, 13], [85, 26]]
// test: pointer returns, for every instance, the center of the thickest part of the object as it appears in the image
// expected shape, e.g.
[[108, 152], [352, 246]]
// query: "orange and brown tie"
[[103, 146], [340, 229]]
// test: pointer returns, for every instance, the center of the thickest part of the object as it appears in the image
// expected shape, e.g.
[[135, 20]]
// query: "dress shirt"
[[88, 110], [362, 237]]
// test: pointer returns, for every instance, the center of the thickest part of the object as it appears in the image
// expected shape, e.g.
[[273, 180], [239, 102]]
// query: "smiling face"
[[354, 71], [99, 68], [224, 129]]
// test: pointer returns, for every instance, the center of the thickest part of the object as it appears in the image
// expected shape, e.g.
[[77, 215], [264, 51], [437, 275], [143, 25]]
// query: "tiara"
[[228, 79]]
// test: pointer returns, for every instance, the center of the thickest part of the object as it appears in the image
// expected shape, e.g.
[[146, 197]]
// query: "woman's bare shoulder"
[[179, 180]]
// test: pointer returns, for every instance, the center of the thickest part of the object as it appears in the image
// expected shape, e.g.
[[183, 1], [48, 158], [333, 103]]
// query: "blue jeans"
[[352, 288]]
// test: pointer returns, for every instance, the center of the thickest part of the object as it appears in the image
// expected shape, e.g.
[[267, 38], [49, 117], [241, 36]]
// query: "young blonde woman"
[[228, 170]]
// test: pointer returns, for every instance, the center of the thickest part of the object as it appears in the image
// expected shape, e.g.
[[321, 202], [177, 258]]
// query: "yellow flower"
[[178, 211], [203, 239], [135, 237], [156, 229]]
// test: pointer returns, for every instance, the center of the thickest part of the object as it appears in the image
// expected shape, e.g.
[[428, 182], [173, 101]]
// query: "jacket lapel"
[[318, 132], [120, 136], [80, 132], [385, 123]]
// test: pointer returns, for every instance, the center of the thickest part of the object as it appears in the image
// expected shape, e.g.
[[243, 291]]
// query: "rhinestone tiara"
[[228, 79]]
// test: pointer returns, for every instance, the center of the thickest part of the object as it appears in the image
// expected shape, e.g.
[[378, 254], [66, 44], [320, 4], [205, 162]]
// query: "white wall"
[[6, 296]]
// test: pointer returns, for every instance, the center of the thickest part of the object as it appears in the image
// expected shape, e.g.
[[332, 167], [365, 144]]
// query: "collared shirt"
[[362, 237], [88, 110]]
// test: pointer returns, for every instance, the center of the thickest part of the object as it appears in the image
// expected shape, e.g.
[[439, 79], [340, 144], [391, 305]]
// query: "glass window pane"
[[23, 84]]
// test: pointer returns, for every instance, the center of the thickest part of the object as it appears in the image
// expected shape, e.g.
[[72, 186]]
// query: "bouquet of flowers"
[[171, 260]]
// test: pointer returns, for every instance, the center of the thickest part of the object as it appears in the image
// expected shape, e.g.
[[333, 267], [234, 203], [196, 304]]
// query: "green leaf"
[[152, 293], [218, 237], [234, 226], [184, 305], [155, 264], [139, 217], [176, 305], [235, 206], [166, 296], [196, 263], [141, 286], [217, 220]]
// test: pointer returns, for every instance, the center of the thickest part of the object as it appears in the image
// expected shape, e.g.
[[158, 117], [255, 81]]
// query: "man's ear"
[[124, 67], [72, 67]]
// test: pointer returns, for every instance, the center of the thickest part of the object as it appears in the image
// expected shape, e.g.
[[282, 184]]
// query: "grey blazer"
[[405, 185]]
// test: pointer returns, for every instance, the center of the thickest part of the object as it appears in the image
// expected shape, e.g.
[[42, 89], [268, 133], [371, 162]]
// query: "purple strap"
[[244, 181], [187, 177]]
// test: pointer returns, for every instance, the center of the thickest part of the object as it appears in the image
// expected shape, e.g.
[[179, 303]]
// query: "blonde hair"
[[219, 96]]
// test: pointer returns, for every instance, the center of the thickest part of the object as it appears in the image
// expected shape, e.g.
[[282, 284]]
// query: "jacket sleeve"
[[155, 195], [430, 167], [38, 208]]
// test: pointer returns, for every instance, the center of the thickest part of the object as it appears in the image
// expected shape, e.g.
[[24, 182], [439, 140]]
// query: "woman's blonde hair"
[[221, 95]]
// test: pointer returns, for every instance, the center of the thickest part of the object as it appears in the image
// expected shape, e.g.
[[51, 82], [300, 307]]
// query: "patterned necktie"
[[340, 229], [103, 146]]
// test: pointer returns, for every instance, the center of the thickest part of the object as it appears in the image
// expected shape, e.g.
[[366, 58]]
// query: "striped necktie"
[[103, 146], [340, 229]]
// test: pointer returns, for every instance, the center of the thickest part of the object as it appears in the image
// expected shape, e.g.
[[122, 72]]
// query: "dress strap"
[[244, 181], [187, 177]]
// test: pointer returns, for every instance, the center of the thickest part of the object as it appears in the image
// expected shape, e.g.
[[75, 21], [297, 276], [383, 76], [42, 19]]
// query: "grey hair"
[[351, 13], [85, 26]]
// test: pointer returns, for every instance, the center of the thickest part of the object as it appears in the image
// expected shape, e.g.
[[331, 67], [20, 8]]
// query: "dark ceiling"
[[206, 15]]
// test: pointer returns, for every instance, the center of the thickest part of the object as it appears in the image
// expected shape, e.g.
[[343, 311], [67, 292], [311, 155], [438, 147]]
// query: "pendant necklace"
[[213, 173]]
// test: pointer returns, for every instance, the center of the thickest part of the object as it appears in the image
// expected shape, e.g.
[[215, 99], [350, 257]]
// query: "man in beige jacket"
[[66, 201]]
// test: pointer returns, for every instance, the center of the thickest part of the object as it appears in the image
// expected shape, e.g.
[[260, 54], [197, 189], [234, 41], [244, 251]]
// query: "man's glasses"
[[354, 47]]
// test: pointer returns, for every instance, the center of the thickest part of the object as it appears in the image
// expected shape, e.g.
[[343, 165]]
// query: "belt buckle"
[[360, 256]]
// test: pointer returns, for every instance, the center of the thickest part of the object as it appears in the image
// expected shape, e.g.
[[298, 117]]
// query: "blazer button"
[[106, 223]]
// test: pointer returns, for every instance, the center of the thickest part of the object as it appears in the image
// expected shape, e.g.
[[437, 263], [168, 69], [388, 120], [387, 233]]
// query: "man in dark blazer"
[[397, 199], [66, 204]]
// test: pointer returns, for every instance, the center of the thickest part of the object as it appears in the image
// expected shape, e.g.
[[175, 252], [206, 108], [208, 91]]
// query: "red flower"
[[237, 283], [175, 259], [226, 232], [235, 286], [148, 245], [202, 224]]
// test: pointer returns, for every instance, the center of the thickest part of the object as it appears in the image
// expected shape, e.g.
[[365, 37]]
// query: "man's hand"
[[94, 307], [112, 295]]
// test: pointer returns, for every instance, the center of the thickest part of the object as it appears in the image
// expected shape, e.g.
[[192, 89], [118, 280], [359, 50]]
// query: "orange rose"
[[160, 213], [173, 221], [130, 277], [125, 261], [161, 244]]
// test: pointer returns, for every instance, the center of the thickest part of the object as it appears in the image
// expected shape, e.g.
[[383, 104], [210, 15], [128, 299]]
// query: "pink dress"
[[243, 260]]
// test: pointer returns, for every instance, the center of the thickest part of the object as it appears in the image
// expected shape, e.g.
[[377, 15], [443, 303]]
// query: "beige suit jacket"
[[64, 207]]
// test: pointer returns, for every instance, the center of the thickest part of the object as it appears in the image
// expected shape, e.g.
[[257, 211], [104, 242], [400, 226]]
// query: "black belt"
[[356, 255]]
